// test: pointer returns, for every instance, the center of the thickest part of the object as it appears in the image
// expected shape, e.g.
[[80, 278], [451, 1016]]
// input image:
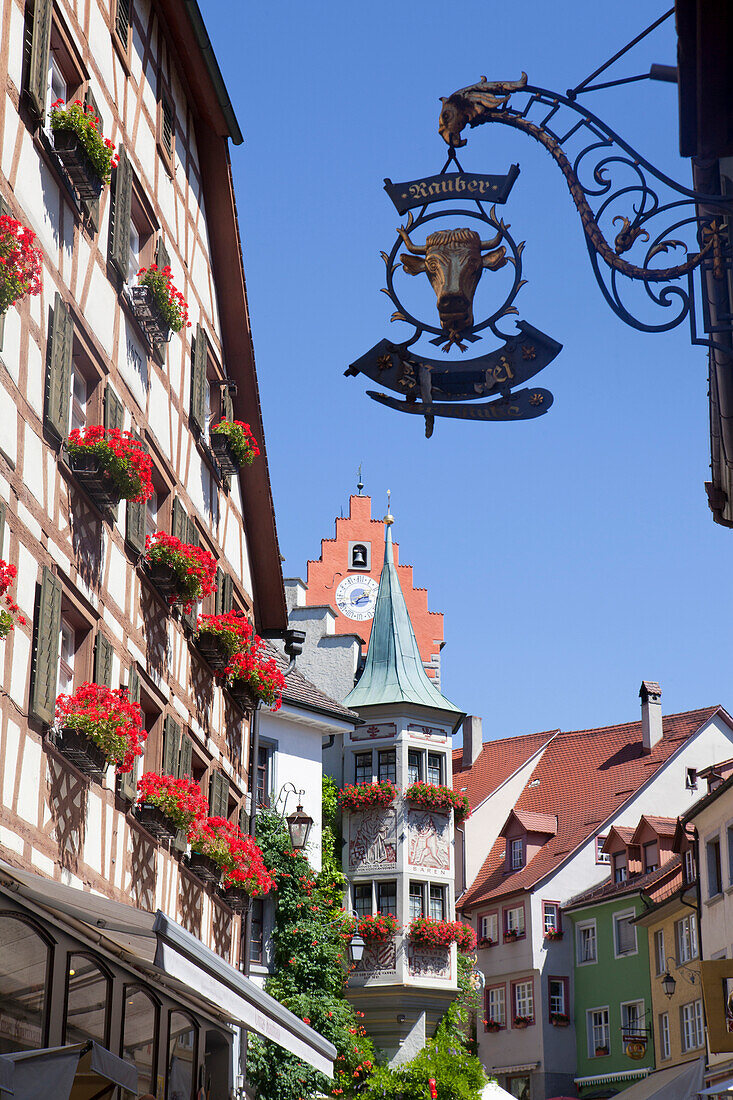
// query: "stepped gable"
[[497, 762], [583, 777]]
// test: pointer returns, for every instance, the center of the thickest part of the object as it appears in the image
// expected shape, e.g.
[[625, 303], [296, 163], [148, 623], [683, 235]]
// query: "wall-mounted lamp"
[[669, 984], [299, 824], [356, 948]]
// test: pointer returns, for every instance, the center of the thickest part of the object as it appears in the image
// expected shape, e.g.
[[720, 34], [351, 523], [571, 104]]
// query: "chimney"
[[473, 739], [650, 694]]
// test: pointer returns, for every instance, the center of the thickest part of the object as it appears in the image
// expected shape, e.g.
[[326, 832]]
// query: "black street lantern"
[[668, 984], [356, 948], [299, 827]]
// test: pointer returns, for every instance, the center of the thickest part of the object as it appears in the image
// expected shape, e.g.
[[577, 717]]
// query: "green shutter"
[[185, 760], [218, 795], [103, 661], [122, 21], [47, 647], [114, 412], [171, 745], [91, 206], [3, 210], [135, 522], [162, 258], [40, 46], [228, 593], [219, 594], [119, 242], [199, 359], [228, 405], [180, 521], [193, 539], [128, 780], [58, 387]]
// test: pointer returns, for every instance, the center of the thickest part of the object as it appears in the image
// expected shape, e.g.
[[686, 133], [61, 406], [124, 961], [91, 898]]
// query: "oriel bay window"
[[387, 897], [363, 899], [417, 900], [87, 1001], [387, 766], [435, 768], [363, 767], [25, 969], [414, 766], [437, 902], [140, 1036]]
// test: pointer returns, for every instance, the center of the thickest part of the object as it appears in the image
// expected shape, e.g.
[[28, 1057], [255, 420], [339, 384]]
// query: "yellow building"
[[677, 1022]]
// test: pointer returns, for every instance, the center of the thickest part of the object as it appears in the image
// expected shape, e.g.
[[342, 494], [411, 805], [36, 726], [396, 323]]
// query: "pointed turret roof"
[[394, 672]]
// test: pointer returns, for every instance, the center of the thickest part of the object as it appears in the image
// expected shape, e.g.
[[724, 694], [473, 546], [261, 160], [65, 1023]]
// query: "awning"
[[675, 1083], [157, 945], [605, 1078], [6, 1077], [525, 1068], [720, 1087], [87, 1068]]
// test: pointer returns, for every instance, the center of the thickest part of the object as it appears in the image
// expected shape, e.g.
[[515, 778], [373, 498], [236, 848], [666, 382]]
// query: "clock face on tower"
[[356, 596]]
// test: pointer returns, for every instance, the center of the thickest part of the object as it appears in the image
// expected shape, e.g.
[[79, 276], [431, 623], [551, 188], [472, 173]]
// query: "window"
[[152, 506], [523, 999], [685, 931], [557, 990], [388, 766], [139, 1035], [496, 1005], [387, 897], [624, 934], [25, 961], [122, 22], [691, 779], [264, 779], [651, 856], [516, 854], [660, 955], [167, 125], [514, 922], [586, 943], [518, 1087], [715, 877], [363, 767], [256, 954], [664, 1035], [632, 1019], [134, 265], [598, 1033], [619, 867], [435, 768], [690, 870], [437, 902], [601, 856], [417, 900], [414, 766], [693, 1035], [87, 1001], [182, 1066], [551, 917], [359, 555], [67, 657], [489, 927], [363, 900], [78, 398]]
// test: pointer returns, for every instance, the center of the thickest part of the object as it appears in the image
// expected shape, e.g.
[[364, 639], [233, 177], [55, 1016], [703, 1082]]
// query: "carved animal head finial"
[[467, 105]]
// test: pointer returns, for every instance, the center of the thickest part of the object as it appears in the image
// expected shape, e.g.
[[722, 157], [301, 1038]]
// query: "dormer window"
[[651, 856], [620, 870], [516, 854]]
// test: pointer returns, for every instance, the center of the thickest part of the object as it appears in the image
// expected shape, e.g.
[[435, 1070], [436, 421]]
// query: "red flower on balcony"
[[240, 439], [239, 856], [379, 928], [9, 614], [432, 796], [363, 795], [232, 628], [180, 799], [169, 301], [120, 455], [81, 120], [20, 262], [442, 933], [194, 568], [108, 718], [258, 673]]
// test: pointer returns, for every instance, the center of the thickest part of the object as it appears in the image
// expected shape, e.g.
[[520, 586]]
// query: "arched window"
[[182, 1057], [25, 971], [359, 557], [87, 1000], [140, 1036]]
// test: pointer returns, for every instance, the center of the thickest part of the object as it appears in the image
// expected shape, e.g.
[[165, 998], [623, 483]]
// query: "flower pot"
[[163, 578], [237, 900], [243, 695], [600, 1051], [148, 315], [212, 649], [493, 1027], [157, 823], [95, 481], [204, 868], [79, 168], [510, 937], [521, 1024], [224, 453], [87, 757], [560, 1023]]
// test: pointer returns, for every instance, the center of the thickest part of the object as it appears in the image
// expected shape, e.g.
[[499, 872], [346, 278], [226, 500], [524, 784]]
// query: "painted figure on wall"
[[372, 840], [428, 840]]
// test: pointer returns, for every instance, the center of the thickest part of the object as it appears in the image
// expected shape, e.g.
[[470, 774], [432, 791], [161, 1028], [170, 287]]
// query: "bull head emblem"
[[453, 260]]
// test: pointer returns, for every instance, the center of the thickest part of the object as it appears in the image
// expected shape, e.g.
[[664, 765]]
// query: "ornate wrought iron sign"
[[453, 261]]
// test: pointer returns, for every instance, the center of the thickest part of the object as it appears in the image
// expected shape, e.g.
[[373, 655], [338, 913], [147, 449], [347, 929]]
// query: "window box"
[[600, 1052], [78, 166], [95, 481], [553, 934], [148, 314], [239, 901], [511, 935], [559, 1019], [493, 1025], [243, 695], [157, 823], [523, 1021], [224, 454], [486, 941], [204, 868], [84, 754], [163, 578], [213, 650]]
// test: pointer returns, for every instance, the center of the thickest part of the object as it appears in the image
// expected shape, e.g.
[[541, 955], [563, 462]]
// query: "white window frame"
[[563, 1009], [412, 895], [664, 1036], [692, 1026], [509, 924], [617, 917], [686, 943], [516, 853], [525, 998], [580, 928], [690, 873], [660, 952], [639, 1027], [496, 1003], [67, 631], [601, 856], [489, 927], [61, 91], [605, 1035], [550, 909]]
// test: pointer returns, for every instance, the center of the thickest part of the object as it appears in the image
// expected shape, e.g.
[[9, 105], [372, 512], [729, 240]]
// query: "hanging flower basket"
[[362, 796], [9, 614], [242, 695], [251, 677], [157, 305], [85, 153], [219, 848], [442, 933], [239, 901], [234, 445], [166, 804], [431, 796], [111, 465], [219, 637], [99, 718], [189, 573], [204, 868], [20, 262], [157, 823]]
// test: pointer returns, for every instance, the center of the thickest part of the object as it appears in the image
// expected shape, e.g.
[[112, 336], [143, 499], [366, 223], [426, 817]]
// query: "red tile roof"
[[662, 826], [496, 762], [533, 822], [655, 884], [583, 777], [622, 832]]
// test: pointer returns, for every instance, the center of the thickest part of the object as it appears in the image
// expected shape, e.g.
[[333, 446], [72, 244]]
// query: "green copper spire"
[[394, 671]]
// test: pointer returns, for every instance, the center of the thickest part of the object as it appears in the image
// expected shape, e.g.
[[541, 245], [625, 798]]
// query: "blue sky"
[[575, 555]]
